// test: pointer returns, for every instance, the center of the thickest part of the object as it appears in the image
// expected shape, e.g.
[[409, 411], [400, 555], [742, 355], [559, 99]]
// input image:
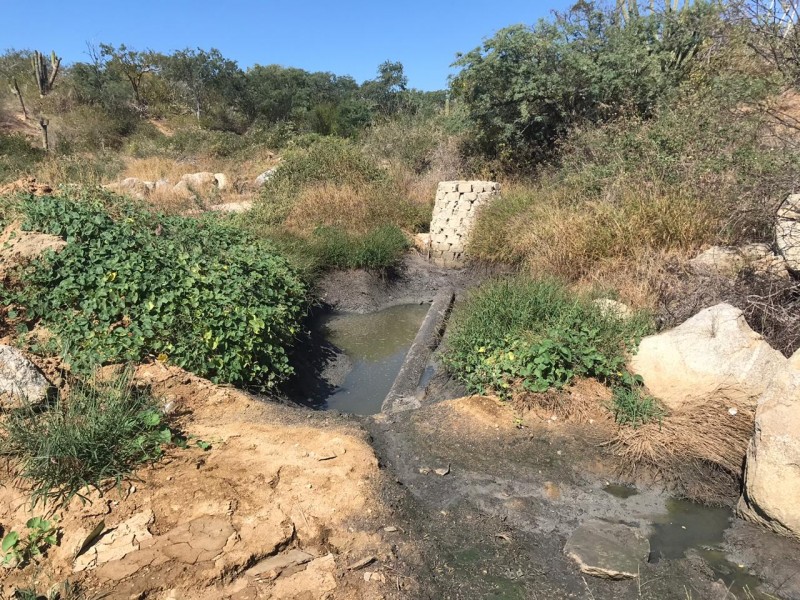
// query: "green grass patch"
[[535, 335], [97, 434], [200, 293], [632, 406], [334, 248]]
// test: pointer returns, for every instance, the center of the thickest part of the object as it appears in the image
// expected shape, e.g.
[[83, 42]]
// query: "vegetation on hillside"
[[198, 293]]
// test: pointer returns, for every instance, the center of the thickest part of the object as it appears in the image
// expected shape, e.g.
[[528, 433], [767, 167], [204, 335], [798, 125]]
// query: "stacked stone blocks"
[[454, 215]]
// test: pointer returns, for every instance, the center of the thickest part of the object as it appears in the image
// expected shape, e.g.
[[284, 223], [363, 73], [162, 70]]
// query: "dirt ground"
[[283, 505]]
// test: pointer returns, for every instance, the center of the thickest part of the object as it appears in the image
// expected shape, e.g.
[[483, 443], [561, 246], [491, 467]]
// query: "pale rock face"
[[20, 380], [265, 176], [222, 181], [712, 356], [202, 183], [772, 475], [730, 260], [613, 308]]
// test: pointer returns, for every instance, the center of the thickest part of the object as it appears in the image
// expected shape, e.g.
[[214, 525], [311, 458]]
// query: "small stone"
[[732, 412], [390, 529], [443, 472]]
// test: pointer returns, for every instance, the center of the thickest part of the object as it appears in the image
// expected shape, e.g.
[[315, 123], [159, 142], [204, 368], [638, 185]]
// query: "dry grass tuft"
[[583, 401], [704, 438]]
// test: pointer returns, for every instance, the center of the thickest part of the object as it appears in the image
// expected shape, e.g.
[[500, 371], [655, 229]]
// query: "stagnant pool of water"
[[376, 345], [689, 526]]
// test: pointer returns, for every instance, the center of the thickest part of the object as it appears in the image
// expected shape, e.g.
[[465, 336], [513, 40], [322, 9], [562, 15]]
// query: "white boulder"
[[771, 493], [714, 355], [20, 380]]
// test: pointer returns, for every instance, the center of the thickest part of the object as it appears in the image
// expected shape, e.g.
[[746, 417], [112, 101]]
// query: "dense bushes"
[[199, 293], [528, 86], [533, 335]]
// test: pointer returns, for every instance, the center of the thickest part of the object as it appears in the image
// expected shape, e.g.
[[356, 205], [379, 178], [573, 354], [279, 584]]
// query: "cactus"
[[45, 77]]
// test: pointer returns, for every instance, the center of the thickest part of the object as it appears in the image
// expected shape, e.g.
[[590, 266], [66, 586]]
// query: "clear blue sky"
[[348, 37]]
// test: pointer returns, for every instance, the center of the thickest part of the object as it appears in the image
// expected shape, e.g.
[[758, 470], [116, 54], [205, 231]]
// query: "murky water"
[[376, 344], [692, 526], [620, 491]]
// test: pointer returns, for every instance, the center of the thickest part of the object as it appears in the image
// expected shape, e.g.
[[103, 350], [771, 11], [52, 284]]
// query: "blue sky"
[[347, 37]]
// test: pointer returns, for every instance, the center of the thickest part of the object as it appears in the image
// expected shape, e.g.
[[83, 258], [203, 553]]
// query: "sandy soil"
[[279, 507]]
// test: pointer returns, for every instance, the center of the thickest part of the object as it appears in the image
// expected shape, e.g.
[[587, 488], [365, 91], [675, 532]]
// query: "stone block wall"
[[457, 204]]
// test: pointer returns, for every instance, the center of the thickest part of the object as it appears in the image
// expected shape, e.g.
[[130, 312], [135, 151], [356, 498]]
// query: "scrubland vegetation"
[[625, 141]]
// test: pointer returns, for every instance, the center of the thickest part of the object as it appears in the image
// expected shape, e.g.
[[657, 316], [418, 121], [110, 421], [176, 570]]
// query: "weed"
[[534, 335], [19, 550], [633, 407], [97, 434], [17, 157], [130, 284]]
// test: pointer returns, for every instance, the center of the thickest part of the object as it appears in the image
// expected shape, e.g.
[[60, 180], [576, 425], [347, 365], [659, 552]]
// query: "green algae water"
[[376, 345]]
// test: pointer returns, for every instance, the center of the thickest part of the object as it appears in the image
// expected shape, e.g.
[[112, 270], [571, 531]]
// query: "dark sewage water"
[[375, 345]]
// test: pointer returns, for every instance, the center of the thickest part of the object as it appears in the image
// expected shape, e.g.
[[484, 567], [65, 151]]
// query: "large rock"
[[608, 550], [729, 261], [20, 380], [787, 231], [771, 493], [712, 356], [203, 183], [132, 186]]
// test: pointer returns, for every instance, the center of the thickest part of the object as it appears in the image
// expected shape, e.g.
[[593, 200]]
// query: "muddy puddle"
[[692, 527], [375, 345], [688, 527]]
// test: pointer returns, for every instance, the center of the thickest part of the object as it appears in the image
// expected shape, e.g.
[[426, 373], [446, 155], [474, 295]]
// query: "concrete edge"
[[403, 393]]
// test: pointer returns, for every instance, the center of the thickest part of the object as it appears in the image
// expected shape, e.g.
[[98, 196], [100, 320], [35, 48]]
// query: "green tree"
[[133, 65], [527, 86], [201, 77]]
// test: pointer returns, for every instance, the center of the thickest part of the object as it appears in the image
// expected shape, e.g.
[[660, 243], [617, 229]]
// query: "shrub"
[[99, 433], [534, 335], [17, 157], [333, 183], [130, 284], [519, 87]]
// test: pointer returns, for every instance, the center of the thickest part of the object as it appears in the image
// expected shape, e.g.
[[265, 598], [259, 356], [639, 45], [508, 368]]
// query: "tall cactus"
[[45, 77]]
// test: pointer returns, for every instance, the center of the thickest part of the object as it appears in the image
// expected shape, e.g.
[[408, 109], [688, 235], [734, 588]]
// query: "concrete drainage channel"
[[405, 392]]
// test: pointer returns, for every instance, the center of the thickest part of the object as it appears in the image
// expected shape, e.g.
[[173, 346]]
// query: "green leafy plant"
[[200, 293], [533, 335], [97, 434], [19, 550]]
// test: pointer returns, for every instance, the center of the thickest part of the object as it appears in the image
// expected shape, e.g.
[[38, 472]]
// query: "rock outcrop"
[[712, 356], [729, 261], [772, 473], [20, 380], [787, 231]]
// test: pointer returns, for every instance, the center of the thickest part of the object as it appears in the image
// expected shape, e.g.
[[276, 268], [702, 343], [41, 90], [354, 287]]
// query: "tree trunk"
[[43, 123], [15, 90]]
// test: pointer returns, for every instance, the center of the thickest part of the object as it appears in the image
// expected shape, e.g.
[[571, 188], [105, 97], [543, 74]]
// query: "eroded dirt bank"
[[283, 505]]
